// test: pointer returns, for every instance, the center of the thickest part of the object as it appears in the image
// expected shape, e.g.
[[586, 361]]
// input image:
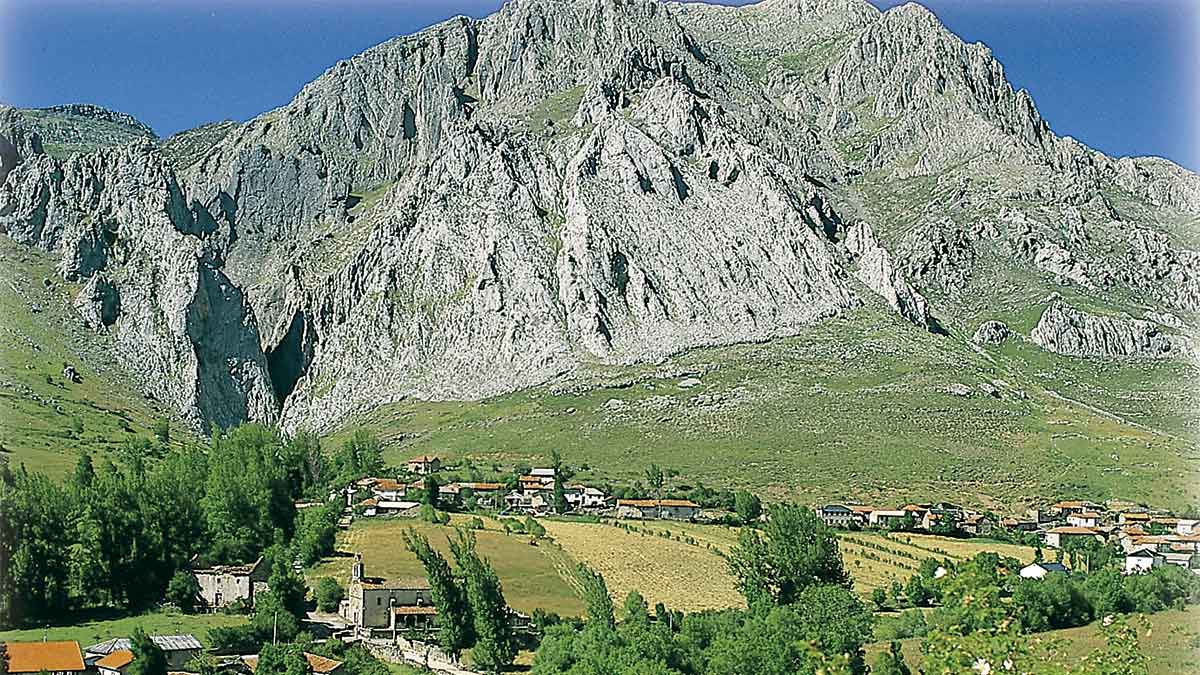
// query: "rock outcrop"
[[991, 333], [1073, 332]]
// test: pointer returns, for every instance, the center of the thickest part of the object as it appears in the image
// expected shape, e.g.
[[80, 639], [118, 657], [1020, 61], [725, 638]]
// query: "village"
[[395, 618]]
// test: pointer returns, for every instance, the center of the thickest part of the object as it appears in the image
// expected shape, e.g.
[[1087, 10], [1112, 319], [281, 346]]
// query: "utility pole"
[[275, 627]]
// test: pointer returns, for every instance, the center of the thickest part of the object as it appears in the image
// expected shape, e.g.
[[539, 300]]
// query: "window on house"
[[378, 601]]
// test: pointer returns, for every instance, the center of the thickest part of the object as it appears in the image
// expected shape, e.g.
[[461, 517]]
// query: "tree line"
[[118, 532]]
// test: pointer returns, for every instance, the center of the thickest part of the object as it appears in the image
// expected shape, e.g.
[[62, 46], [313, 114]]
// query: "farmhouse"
[[836, 515], [53, 658], [976, 526], [1039, 570], [587, 498], [1142, 560], [376, 603], [1084, 519], [114, 663], [388, 489], [884, 517], [665, 509], [424, 465], [179, 649], [1057, 536], [223, 585]]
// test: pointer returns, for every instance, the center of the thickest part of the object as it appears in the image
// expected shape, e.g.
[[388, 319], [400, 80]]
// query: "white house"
[[1142, 560], [882, 518], [584, 497], [1039, 570], [1084, 519]]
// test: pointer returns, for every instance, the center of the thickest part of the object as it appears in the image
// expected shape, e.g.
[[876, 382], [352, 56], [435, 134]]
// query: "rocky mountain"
[[490, 204], [80, 127]]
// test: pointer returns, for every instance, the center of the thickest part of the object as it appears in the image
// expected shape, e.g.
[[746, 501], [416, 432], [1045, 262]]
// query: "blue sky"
[[1120, 75]]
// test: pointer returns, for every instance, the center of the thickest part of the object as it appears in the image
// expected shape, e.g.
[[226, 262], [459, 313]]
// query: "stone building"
[[223, 585], [375, 603]]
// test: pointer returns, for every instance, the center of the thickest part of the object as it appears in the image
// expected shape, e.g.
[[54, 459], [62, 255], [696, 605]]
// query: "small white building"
[[1142, 560], [1084, 519], [883, 518], [1039, 570]]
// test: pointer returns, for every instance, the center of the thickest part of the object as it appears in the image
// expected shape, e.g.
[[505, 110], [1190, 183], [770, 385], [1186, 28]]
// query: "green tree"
[[636, 608], [797, 551], [361, 455], [534, 528], [431, 493], [162, 430], [148, 659], [879, 597], [248, 496], [890, 662], [456, 622], [747, 505], [183, 591], [281, 659], [835, 620], [495, 644], [656, 479], [595, 597], [329, 594], [85, 472]]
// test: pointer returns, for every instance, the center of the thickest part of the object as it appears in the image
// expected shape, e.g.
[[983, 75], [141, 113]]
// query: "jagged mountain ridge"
[[487, 204]]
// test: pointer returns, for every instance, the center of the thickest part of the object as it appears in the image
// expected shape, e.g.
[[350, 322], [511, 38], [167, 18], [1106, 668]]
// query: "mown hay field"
[[533, 576], [688, 577]]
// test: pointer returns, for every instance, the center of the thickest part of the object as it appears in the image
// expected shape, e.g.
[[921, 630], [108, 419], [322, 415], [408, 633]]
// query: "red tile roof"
[[34, 657], [116, 660]]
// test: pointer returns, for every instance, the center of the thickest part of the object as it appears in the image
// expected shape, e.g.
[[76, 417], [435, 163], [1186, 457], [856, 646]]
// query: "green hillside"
[[853, 408]]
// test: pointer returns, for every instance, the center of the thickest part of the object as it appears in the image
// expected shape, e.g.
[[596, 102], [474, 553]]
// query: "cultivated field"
[[533, 576], [679, 564], [684, 576]]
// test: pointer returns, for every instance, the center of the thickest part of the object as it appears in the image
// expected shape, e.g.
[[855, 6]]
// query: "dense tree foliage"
[[148, 658], [795, 551], [329, 594], [117, 532]]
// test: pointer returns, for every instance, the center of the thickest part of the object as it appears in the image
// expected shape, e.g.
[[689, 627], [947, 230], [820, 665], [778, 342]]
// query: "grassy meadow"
[[89, 630], [853, 408]]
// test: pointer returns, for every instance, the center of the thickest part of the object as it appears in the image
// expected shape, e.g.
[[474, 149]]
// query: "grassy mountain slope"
[[46, 420], [852, 408]]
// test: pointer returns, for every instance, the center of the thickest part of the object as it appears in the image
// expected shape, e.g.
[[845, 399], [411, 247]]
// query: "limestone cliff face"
[[1066, 330], [118, 222], [490, 203]]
